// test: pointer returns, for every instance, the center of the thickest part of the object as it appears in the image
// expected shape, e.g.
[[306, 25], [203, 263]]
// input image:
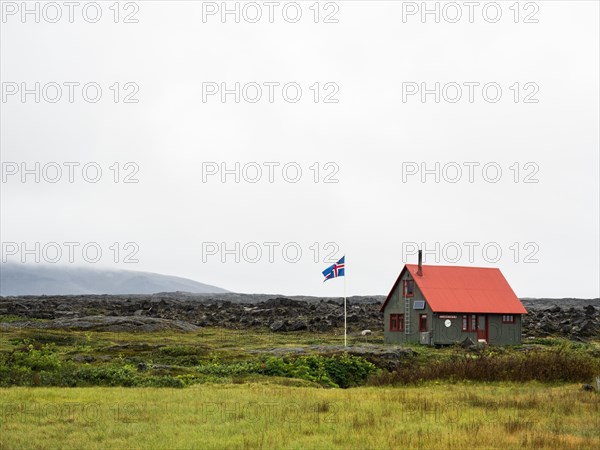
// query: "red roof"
[[464, 290]]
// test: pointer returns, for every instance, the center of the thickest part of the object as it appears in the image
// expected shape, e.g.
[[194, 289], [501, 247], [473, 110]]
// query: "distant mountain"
[[36, 279]]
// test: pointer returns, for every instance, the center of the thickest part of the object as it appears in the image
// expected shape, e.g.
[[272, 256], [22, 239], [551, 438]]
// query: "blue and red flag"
[[337, 270]]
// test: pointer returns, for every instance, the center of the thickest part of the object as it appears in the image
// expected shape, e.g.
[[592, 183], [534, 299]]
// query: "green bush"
[[14, 376], [111, 375], [348, 370], [218, 368], [332, 371], [36, 359], [182, 355]]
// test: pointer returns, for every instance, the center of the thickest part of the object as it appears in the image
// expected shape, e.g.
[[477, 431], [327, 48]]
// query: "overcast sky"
[[542, 212]]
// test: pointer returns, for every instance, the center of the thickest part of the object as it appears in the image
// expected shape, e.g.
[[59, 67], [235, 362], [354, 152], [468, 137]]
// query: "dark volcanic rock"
[[297, 326], [574, 323], [567, 318], [467, 343], [278, 325], [280, 313], [277, 302], [115, 324]]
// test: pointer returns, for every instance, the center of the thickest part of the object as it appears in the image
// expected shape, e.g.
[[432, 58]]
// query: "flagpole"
[[345, 324]]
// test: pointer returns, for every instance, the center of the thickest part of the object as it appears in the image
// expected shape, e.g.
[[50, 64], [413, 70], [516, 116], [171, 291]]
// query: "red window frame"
[[422, 322], [405, 284], [393, 322], [396, 322], [508, 318], [473, 322], [469, 322]]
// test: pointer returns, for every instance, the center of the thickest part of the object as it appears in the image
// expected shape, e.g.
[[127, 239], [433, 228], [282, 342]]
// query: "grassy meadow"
[[437, 415], [220, 388]]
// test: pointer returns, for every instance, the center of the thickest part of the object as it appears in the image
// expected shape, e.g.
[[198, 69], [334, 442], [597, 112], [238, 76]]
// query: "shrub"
[[14, 376], [218, 368], [36, 359], [182, 355], [349, 371], [333, 371], [113, 375], [556, 364]]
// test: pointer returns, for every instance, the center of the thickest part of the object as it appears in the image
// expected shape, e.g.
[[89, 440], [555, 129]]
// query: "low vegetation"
[[94, 359], [177, 360], [43, 367], [220, 388], [263, 415], [566, 362]]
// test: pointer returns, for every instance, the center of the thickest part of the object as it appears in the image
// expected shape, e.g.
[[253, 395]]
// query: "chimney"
[[420, 269]]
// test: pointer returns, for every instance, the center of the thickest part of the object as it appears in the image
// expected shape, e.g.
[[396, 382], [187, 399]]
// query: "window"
[[396, 322], [422, 322], [469, 322], [419, 304], [409, 288], [508, 318]]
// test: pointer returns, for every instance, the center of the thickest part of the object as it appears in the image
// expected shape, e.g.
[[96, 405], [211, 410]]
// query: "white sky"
[[369, 134]]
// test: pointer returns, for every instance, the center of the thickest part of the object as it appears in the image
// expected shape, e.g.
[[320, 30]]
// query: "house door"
[[482, 328]]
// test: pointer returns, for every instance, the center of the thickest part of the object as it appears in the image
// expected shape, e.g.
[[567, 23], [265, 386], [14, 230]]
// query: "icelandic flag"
[[337, 270]]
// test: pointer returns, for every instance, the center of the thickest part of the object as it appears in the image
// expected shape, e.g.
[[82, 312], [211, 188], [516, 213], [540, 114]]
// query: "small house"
[[441, 305]]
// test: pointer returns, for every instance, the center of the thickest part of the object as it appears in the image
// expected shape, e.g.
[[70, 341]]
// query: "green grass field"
[[232, 394], [458, 416]]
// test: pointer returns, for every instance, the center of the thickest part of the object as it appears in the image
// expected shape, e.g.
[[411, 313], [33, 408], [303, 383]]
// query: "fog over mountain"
[[23, 279]]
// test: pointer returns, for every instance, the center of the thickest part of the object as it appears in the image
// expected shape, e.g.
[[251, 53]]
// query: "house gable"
[[397, 293], [400, 311], [393, 290]]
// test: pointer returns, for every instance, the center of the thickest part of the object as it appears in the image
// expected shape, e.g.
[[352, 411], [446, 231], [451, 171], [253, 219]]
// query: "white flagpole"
[[345, 324]]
